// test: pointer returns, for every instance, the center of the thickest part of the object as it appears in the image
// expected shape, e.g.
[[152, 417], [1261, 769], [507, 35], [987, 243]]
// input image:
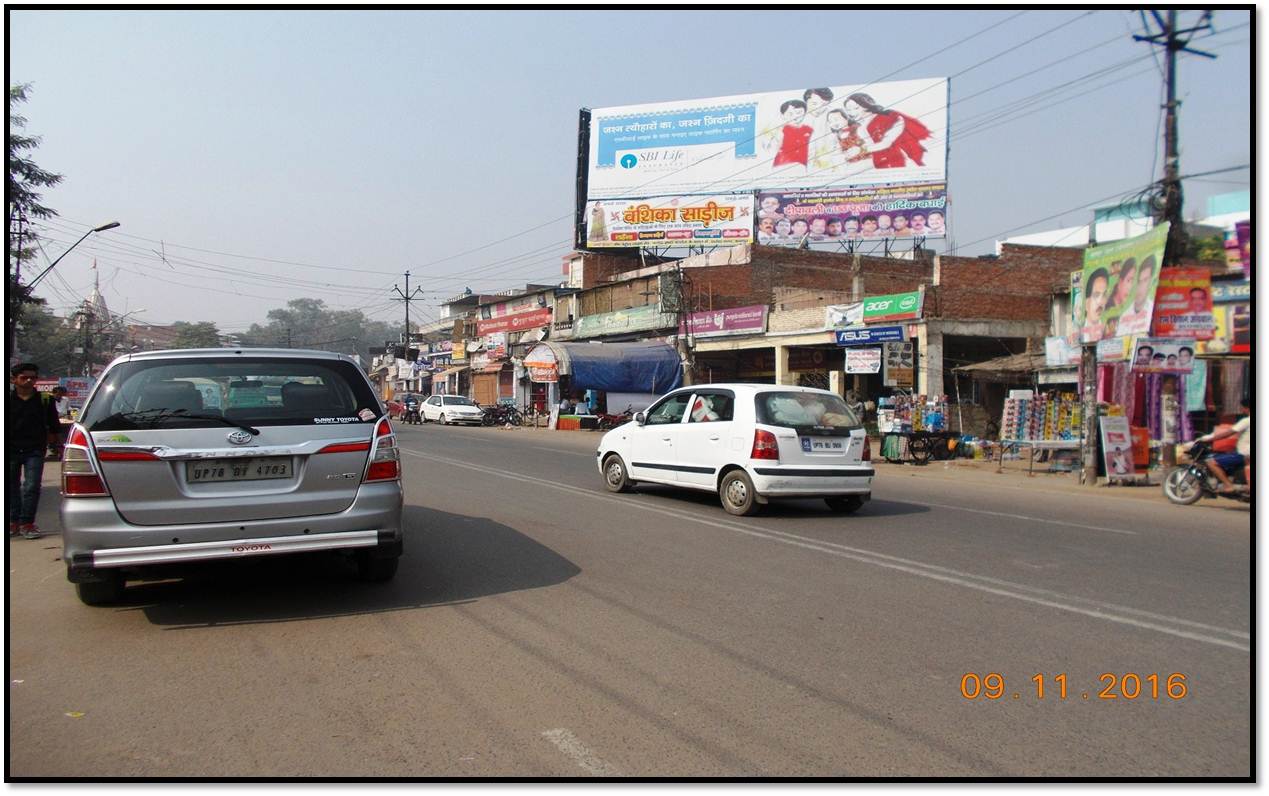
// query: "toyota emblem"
[[239, 437]]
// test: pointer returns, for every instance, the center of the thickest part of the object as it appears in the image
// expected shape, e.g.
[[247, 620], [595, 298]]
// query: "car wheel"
[[442, 420], [845, 505], [737, 494], [615, 476], [376, 569], [102, 592]]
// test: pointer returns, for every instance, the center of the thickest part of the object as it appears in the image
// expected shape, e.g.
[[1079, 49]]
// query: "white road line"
[[1078, 605], [576, 751], [1029, 518]]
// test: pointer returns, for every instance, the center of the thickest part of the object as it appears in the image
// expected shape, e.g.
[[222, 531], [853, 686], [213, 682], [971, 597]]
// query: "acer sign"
[[515, 323], [894, 307]]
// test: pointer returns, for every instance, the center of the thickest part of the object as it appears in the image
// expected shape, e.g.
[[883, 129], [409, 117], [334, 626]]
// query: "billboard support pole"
[[1088, 416]]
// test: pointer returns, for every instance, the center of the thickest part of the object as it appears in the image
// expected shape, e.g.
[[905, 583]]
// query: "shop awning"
[[644, 367], [1009, 368], [445, 374]]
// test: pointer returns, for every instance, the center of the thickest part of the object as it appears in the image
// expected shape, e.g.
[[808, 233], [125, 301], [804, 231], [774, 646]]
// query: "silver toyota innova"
[[208, 454]]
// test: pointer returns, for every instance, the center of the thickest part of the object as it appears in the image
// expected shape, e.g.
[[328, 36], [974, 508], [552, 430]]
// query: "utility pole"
[[1173, 41], [288, 337], [1168, 206], [407, 297]]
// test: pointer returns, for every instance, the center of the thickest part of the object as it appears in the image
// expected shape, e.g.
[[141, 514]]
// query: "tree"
[[196, 335], [24, 183], [309, 323], [50, 342]]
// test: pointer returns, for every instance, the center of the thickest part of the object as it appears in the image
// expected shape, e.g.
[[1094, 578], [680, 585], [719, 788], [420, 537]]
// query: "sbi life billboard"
[[798, 139]]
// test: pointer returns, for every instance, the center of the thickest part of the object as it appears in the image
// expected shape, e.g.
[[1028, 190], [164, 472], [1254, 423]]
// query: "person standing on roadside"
[[33, 426], [62, 405]]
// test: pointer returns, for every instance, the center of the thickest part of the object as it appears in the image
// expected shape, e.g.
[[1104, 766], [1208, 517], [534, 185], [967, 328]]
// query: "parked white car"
[[750, 443], [451, 409]]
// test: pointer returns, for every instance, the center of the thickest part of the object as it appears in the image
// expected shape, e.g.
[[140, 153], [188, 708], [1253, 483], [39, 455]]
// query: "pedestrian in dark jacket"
[[33, 426]]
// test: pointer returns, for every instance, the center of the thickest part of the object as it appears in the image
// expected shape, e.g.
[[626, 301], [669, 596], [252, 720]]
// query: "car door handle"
[[665, 439], [714, 438]]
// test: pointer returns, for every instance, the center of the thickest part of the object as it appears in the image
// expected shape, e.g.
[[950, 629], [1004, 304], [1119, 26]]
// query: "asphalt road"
[[540, 626]]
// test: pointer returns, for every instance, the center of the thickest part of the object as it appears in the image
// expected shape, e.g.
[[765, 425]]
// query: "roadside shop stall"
[[914, 428], [626, 373]]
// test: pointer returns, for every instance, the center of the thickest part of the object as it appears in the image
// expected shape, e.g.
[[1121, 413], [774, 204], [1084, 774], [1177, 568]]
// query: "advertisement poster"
[[718, 220], [900, 359], [1162, 355], [894, 212], [517, 322], [1117, 447], [1183, 304], [863, 360], [839, 316], [1242, 234], [1059, 352], [1196, 387], [800, 138], [1114, 349], [1118, 285], [1232, 334], [719, 323], [496, 345]]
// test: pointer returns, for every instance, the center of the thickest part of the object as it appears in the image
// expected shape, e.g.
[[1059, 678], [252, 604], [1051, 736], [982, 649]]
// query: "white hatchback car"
[[750, 443]]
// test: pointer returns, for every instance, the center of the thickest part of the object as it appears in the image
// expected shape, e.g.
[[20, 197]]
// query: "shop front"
[[601, 377]]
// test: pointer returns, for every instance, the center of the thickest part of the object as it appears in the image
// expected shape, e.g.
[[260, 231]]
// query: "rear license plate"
[[237, 469], [825, 444]]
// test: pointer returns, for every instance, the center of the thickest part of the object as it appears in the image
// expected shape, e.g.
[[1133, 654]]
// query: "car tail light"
[[80, 477], [764, 445], [126, 456], [385, 459], [867, 452], [346, 447]]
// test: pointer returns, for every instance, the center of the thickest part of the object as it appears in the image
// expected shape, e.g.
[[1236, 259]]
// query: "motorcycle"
[[609, 422], [411, 414], [1187, 483], [500, 415]]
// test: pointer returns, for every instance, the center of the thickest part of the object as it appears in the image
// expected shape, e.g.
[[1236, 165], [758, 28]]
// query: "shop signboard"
[[634, 319], [1059, 352], [797, 139], [46, 385], [869, 335], [541, 365], [1118, 284], [719, 323], [496, 345], [900, 361], [1117, 447], [459, 352], [893, 307], [863, 360], [892, 212], [1224, 292], [1162, 355], [516, 322], [716, 220], [1183, 304]]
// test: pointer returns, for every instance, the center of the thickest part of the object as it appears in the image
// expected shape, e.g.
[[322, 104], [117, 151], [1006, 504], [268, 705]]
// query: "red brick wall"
[[1015, 286]]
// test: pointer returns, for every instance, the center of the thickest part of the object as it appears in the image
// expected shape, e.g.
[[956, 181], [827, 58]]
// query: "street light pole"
[[31, 285]]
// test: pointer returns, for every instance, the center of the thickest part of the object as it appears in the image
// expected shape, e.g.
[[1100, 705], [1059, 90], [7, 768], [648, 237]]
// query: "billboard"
[[719, 219], [518, 322], [1183, 304], [1118, 284], [894, 212], [863, 360], [802, 138]]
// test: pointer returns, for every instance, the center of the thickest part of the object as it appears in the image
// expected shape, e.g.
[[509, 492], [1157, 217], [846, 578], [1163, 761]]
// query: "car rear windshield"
[[808, 412], [255, 391]]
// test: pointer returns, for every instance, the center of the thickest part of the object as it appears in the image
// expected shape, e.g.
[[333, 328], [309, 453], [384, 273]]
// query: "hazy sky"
[[371, 142]]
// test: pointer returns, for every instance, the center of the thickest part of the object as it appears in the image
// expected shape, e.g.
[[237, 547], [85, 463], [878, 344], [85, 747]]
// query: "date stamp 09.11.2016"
[[1110, 686]]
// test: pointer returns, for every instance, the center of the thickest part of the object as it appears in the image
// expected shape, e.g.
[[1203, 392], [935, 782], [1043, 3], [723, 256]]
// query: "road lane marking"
[[1029, 518], [1072, 604], [576, 751]]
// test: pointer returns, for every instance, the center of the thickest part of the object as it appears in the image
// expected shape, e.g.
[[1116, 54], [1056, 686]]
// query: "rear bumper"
[[788, 481], [95, 536]]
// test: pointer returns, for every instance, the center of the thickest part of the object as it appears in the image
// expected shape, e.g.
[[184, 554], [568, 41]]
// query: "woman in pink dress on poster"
[[894, 138]]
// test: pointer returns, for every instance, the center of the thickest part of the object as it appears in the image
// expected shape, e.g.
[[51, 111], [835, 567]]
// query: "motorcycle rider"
[[1222, 464]]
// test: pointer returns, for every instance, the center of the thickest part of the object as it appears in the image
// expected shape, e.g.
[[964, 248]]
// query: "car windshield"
[[808, 412], [201, 392], [459, 400]]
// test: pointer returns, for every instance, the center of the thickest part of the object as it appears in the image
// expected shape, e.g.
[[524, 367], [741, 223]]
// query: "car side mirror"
[[639, 418]]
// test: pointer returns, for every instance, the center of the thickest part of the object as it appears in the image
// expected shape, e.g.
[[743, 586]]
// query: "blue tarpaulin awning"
[[645, 367]]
